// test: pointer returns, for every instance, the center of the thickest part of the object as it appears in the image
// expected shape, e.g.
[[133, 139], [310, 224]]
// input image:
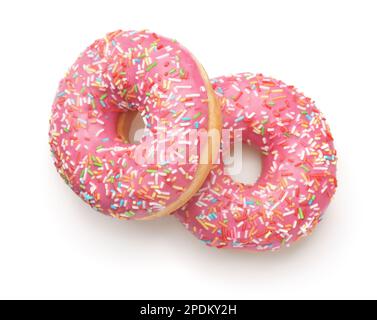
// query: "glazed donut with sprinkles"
[[298, 176], [124, 73]]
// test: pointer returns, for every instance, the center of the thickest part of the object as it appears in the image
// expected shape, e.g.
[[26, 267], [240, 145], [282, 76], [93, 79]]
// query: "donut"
[[123, 74], [298, 177]]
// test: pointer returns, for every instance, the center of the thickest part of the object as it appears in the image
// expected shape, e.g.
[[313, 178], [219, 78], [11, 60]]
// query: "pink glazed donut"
[[298, 176], [116, 76]]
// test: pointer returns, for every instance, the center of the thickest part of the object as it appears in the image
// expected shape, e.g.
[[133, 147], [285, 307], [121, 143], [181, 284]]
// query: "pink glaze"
[[298, 178], [126, 71]]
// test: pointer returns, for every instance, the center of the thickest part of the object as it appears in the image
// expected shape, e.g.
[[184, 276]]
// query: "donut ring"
[[115, 77], [298, 176]]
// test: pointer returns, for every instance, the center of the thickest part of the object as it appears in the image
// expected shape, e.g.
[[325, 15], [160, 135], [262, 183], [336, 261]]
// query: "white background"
[[53, 246]]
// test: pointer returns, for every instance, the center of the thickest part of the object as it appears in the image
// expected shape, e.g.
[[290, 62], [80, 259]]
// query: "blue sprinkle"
[[88, 197], [196, 125], [220, 90], [239, 119]]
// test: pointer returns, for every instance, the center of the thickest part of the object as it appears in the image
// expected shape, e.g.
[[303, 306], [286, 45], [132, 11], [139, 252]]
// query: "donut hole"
[[131, 127], [244, 165], [137, 129]]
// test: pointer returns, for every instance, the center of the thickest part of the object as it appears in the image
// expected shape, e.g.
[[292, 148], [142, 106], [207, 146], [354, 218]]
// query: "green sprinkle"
[[197, 115], [312, 200], [129, 214], [151, 171], [151, 66], [301, 214], [104, 97]]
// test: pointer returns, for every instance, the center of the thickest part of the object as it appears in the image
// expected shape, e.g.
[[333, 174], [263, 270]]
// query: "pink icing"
[[298, 177], [126, 71]]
